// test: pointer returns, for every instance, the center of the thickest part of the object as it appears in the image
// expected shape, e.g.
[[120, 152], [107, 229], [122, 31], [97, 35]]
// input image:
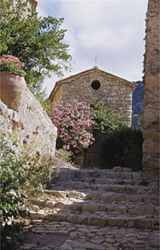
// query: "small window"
[[95, 84]]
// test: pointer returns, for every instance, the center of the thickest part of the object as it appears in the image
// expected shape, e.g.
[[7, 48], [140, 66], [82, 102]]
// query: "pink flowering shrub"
[[74, 123]]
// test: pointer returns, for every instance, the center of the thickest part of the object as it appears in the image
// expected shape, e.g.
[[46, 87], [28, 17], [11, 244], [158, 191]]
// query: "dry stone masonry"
[[95, 210], [94, 86], [151, 123]]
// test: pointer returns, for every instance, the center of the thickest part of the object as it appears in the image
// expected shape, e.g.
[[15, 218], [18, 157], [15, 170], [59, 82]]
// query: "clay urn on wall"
[[12, 82]]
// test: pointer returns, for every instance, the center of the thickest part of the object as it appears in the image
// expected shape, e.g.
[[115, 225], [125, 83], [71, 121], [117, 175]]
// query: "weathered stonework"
[[95, 209], [113, 91], [38, 131], [151, 119], [34, 131]]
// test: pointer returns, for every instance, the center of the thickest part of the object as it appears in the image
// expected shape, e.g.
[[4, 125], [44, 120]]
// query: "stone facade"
[[94, 86], [151, 119]]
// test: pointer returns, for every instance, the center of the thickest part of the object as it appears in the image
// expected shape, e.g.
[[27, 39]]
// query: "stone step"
[[104, 187], [139, 222], [67, 236], [112, 209], [102, 180], [98, 208], [108, 197], [83, 174], [112, 197], [132, 178], [67, 194]]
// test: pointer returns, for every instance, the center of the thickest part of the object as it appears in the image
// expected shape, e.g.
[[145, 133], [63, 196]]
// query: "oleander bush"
[[74, 122]]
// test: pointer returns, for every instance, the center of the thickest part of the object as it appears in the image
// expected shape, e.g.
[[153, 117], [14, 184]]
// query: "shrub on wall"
[[74, 125], [105, 120]]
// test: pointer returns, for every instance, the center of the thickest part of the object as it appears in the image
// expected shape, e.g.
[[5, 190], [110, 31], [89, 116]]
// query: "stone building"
[[151, 119], [95, 85]]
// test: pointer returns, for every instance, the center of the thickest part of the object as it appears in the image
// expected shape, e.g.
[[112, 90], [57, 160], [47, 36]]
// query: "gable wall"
[[113, 91]]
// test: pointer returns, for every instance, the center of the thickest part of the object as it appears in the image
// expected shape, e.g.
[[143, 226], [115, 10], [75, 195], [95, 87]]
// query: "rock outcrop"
[[31, 125]]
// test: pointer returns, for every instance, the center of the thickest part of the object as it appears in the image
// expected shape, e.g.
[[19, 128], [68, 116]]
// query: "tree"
[[37, 41]]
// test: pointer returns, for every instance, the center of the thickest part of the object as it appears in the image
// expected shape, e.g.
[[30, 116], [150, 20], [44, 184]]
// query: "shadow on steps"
[[97, 210]]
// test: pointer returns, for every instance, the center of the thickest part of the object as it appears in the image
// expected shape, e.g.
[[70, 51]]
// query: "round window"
[[95, 84]]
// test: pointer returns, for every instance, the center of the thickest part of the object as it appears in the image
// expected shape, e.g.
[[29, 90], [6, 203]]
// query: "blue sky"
[[106, 33]]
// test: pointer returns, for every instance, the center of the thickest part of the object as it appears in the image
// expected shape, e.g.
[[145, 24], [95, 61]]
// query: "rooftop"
[[85, 72]]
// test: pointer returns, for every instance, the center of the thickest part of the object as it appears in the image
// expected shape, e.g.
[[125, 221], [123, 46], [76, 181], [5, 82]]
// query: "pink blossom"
[[74, 123]]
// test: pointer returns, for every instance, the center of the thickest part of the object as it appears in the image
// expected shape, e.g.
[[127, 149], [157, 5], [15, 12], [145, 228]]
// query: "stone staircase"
[[93, 209]]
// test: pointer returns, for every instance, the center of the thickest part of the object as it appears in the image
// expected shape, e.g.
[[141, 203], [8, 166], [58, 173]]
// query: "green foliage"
[[118, 145], [122, 147], [21, 176], [64, 155], [45, 103], [19, 173], [11, 67], [37, 173], [12, 177], [10, 235], [106, 121], [37, 41]]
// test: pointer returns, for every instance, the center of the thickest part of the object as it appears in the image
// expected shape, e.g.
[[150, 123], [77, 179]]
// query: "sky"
[[104, 33]]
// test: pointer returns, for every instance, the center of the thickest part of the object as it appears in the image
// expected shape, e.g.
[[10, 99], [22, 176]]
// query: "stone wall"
[[113, 91], [31, 126], [151, 119]]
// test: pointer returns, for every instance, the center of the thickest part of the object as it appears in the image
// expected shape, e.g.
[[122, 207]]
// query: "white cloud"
[[111, 30]]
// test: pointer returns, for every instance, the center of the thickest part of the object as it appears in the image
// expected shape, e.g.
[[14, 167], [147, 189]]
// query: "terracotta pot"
[[11, 89], [11, 59]]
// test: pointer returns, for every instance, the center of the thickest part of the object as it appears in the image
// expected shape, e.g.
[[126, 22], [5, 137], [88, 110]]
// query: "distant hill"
[[137, 105]]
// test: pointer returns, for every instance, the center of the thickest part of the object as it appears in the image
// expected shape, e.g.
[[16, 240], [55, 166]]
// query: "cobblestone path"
[[95, 210]]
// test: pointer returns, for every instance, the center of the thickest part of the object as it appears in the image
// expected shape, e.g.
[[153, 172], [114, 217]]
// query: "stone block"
[[34, 130]]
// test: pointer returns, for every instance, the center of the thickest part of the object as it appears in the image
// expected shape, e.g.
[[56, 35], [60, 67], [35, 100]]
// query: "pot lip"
[[11, 73], [11, 59]]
